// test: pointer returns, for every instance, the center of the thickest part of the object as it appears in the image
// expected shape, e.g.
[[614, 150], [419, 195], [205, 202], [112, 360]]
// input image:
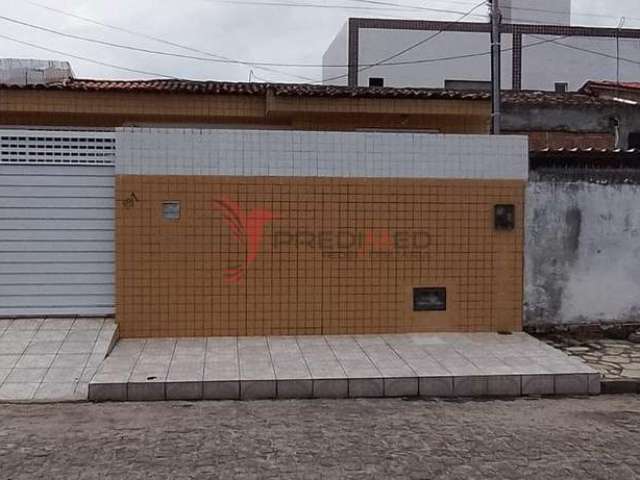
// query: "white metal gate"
[[56, 222]]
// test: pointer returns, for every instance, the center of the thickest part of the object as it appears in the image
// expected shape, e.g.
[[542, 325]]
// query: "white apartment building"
[[540, 51]]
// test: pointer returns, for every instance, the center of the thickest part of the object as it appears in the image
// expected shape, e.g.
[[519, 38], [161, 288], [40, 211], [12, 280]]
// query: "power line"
[[230, 60], [214, 57], [586, 50], [411, 47], [384, 62], [155, 74], [394, 6], [428, 39], [581, 14], [90, 60], [157, 39]]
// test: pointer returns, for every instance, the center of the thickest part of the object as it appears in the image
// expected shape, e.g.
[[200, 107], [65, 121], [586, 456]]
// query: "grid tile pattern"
[[323, 154], [51, 359], [441, 365], [336, 256], [113, 104]]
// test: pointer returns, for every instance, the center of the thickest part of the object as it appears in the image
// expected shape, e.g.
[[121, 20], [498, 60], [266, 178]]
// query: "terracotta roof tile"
[[610, 84], [309, 90], [238, 88], [532, 97]]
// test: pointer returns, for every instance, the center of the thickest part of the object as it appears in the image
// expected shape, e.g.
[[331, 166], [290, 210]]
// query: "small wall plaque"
[[171, 211], [429, 299]]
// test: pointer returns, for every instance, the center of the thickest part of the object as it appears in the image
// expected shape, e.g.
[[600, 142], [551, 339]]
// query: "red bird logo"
[[247, 228]]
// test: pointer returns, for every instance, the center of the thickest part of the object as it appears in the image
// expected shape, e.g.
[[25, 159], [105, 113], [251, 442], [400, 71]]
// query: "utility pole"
[[496, 70]]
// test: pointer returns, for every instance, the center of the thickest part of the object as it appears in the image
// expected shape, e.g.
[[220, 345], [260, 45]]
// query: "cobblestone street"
[[597, 437]]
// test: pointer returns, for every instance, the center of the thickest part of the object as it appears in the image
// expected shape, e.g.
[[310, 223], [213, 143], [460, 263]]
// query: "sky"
[[235, 29]]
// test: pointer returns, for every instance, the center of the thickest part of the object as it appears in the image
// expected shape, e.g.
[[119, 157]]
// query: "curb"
[[628, 385]]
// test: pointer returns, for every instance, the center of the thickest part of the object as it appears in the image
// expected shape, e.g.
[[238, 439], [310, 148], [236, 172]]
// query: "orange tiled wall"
[[337, 255]]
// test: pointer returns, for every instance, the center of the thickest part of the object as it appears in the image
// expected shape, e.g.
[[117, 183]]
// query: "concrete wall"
[[582, 253], [294, 232], [546, 59], [337, 54], [552, 12], [572, 125], [576, 60], [378, 44]]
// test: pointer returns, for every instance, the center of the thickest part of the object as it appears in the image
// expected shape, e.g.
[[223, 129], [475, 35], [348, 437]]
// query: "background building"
[[541, 51]]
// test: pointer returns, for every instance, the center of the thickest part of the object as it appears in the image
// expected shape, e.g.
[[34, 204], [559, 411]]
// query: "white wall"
[[544, 64], [551, 12], [324, 154], [544, 60], [337, 54], [582, 253], [378, 44]]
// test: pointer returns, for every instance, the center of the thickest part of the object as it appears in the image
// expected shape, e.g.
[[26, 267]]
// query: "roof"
[[511, 97], [595, 158], [239, 88], [608, 85], [590, 150], [540, 98]]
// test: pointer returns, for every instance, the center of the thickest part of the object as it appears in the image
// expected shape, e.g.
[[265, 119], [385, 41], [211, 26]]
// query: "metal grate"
[[42, 147]]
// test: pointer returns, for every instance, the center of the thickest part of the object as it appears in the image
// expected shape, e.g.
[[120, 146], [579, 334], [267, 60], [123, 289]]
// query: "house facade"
[[369, 209], [191, 209]]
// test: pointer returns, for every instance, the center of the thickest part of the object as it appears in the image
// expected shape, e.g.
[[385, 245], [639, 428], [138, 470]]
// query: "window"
[[634, 140], [376, 82]]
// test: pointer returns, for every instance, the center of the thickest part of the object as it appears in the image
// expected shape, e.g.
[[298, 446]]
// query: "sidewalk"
[[438, 365], [52, 359]]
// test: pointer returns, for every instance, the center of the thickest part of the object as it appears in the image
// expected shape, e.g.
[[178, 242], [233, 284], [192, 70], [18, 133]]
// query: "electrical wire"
[[86, 59], [393, 6], [154, 74], [581, 14], [385, 60], [586, 50], [262, 65], [159, 40]]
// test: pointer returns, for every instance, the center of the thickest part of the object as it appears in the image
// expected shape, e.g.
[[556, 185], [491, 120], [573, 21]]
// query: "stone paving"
[[51, 359], [615, 359], [565, 438], [438, 365]]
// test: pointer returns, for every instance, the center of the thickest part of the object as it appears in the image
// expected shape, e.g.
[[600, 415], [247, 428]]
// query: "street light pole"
[[496, 70]]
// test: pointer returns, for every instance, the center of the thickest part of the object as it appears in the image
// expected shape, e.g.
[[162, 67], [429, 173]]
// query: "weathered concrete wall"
[[573, 119], [582, 253]]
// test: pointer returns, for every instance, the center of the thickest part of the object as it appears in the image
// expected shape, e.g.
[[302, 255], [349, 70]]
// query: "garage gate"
[[56, 222]]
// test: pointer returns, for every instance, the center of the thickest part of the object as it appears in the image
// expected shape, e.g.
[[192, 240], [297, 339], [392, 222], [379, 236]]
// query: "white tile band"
[[142, 151]]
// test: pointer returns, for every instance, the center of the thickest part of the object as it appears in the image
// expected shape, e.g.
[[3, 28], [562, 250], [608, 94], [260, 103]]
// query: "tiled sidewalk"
[[442, 365], [52, 359]]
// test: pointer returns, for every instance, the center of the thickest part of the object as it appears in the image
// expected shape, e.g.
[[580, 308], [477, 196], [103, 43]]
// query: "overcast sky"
[[229, 28]]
